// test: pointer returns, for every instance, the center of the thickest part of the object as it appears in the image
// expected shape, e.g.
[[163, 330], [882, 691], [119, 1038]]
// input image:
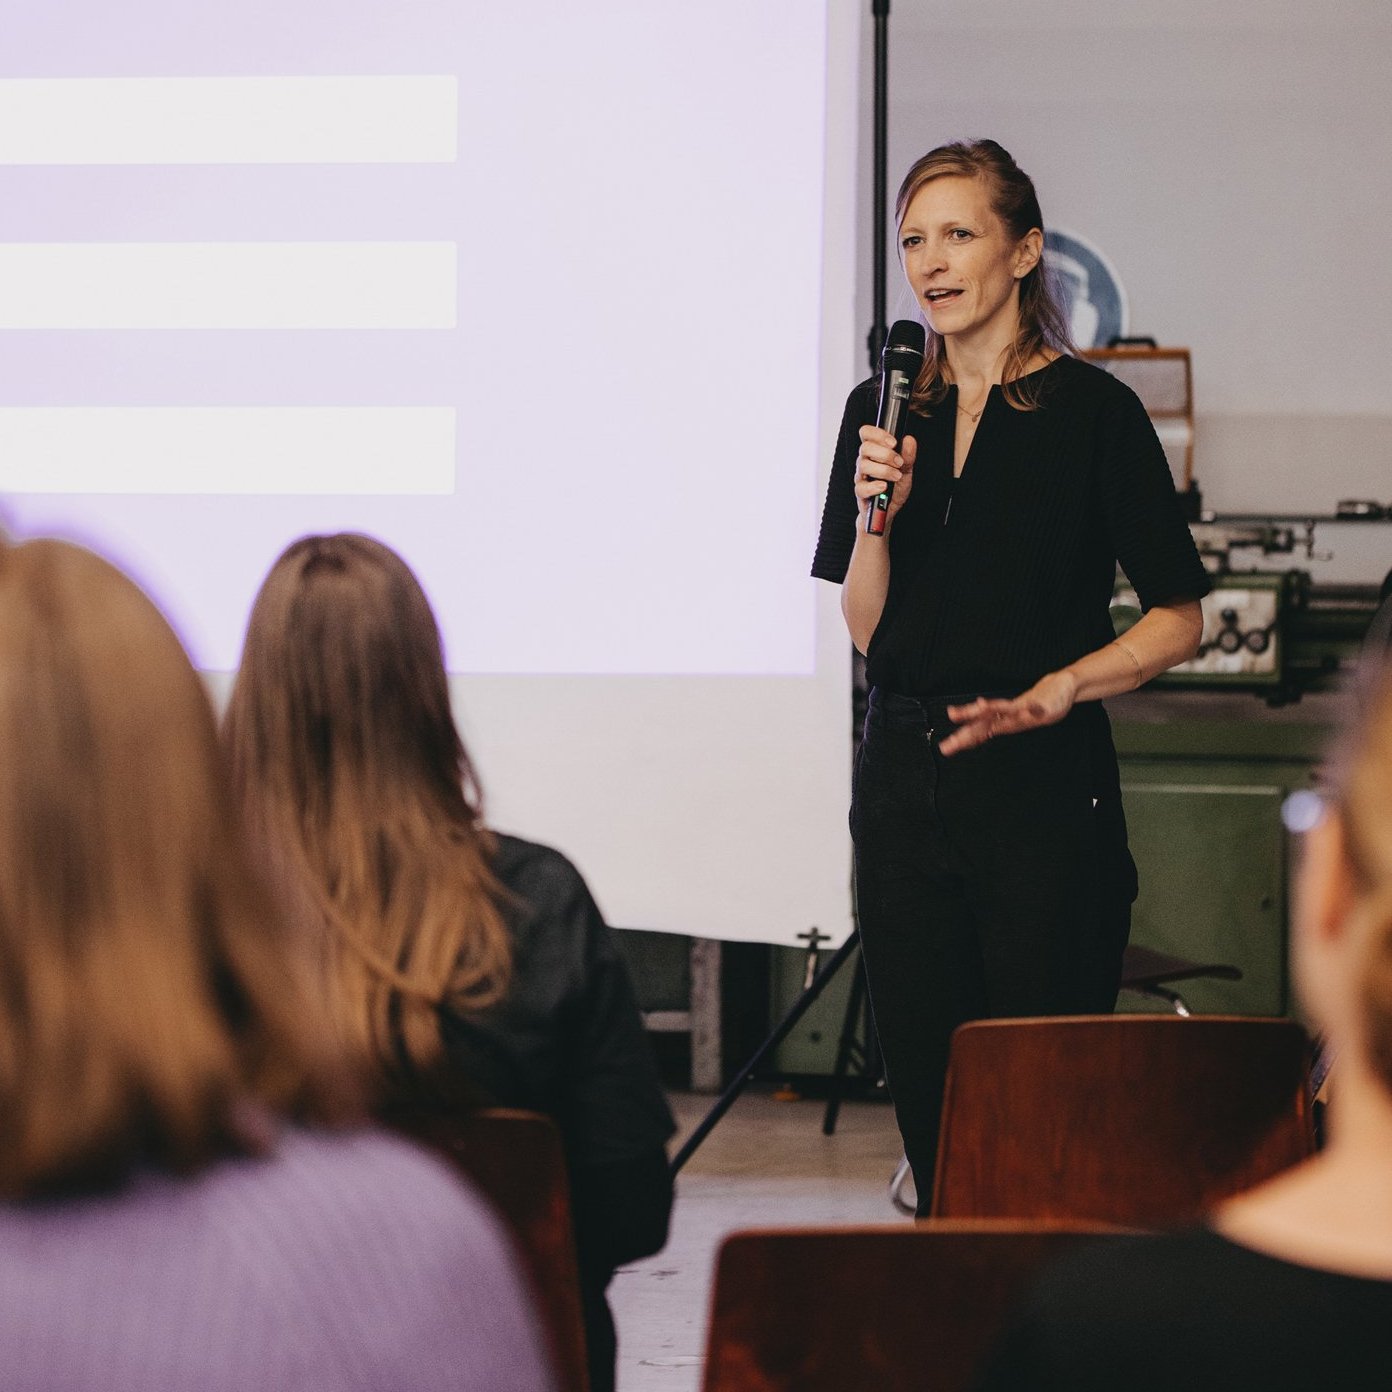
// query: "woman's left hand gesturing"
[[1045, 703]]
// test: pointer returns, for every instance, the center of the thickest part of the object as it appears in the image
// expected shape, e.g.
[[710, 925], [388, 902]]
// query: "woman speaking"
[[992, 872]]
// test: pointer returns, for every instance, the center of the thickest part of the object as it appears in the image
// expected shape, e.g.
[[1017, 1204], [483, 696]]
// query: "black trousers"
[[995, 882]]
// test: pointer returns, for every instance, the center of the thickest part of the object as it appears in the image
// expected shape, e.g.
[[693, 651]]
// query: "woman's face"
[[961, 262]]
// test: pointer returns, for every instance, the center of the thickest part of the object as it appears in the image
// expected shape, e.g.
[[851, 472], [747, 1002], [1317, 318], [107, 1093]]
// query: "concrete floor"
[[766, 1164]]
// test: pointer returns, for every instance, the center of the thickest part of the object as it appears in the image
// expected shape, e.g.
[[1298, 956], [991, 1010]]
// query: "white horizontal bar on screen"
[[229, 120], [391, 450], [227, 285]]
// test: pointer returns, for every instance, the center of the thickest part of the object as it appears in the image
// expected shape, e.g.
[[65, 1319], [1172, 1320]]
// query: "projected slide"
[[555, 298], [530, 291]]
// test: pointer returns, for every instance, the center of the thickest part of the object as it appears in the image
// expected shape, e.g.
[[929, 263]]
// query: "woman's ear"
[[1028, 252], [1325, 891], [1317, 937]]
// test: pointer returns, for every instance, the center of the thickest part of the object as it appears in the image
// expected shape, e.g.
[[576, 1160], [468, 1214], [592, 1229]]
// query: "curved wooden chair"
[[1144, 971], [869, 1309], [1143, 1120], [516, 1161]]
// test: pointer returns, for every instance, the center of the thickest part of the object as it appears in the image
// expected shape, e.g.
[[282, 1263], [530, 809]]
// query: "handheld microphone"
[[900, 364]]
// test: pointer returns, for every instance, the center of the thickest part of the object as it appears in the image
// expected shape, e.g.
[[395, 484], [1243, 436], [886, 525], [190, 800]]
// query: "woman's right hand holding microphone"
[[878, 463]]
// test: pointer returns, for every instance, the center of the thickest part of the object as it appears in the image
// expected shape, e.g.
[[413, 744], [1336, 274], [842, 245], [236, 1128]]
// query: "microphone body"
[[900, 364]]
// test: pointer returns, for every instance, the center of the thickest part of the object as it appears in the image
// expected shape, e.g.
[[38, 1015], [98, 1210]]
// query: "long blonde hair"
[[150, 999], [359, 794], [1043, 324]]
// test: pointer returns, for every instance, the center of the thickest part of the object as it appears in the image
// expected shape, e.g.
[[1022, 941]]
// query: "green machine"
[[1211, 751], [1204, 791], [1209, 755]]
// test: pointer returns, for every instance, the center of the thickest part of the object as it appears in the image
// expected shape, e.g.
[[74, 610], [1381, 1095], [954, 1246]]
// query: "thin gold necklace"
[[973, 416]]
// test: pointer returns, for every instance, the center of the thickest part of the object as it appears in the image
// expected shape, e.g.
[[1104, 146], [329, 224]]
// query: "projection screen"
[[556, 299]]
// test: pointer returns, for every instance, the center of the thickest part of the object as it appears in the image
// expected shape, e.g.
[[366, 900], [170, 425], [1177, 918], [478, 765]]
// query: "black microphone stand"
[[879, 9], [746, 1074]]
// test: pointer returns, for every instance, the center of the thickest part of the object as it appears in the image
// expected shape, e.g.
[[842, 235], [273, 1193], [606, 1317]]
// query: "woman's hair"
[[1363, 801], [151, 1011], [358, 793], [1043, 323]]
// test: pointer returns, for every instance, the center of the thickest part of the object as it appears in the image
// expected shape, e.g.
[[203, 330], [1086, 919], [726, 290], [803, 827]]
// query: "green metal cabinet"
[[1212, 860], [1203, 809]]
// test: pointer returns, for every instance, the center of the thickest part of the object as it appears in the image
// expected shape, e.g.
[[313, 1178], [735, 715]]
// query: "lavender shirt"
[[346, 1261]]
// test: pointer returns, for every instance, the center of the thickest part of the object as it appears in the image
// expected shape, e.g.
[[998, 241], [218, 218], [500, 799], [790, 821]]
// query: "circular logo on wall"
[[1092, 293]]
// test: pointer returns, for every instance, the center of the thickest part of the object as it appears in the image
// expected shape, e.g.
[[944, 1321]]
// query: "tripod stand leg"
[[850, 1025], [742, 1079]]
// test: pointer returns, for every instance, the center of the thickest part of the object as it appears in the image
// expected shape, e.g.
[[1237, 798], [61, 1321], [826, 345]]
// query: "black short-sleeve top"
[[1007, 572]]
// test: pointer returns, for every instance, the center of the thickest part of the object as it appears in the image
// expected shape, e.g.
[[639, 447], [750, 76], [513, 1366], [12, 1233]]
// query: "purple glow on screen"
[[636, 208]]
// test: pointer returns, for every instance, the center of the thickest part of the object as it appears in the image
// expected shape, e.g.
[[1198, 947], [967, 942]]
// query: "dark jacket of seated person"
[[1289, 1288], [568, 1040], [463, 967]]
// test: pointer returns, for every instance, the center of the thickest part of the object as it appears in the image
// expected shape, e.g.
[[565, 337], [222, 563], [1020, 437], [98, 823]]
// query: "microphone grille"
[[906, 340], [907, 333]]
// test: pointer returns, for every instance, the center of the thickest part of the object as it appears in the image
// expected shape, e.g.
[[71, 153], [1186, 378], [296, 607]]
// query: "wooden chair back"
[[1143, 1120], [516, 1160], [869, 1309]]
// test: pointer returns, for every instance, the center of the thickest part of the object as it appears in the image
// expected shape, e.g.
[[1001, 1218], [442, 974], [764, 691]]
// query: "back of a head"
[[1364, 802], [342, 686], [149, 990], [359, 795]]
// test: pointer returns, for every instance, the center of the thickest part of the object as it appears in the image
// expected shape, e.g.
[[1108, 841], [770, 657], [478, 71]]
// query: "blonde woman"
[[992, 871], [187, 1196]]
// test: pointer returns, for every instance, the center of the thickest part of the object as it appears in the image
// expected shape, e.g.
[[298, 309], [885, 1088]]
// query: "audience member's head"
[[360, 797], [150, 1009], [1344, 904]]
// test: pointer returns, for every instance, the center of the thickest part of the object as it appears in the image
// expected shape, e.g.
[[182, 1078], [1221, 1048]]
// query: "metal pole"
[[878, 329]]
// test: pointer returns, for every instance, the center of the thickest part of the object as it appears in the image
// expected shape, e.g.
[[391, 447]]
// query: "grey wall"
[[1233, 159]]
